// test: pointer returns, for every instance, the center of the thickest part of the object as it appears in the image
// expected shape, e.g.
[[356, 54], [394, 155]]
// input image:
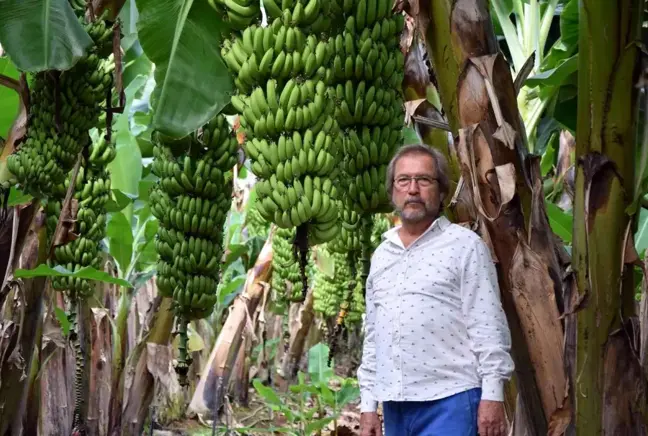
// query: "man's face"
[[418, 199]]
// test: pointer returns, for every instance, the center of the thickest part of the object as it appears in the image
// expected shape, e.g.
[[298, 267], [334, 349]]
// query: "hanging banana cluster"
[[238, 14], [255, 223], [368, 71], [348, 241], [381, 224], [286, 283], [287, 104], [329, 291], [92, 192], [63, 108], [191, 201]]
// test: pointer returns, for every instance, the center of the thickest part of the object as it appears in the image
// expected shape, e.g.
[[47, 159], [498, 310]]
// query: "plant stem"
[[606, 380], [517, 53], [547, 18]]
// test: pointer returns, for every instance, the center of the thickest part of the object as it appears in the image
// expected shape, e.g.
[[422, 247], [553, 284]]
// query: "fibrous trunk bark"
[[214, 381], [26, 306], [149, 362], [479, 98], [610, 388], [299, 329]]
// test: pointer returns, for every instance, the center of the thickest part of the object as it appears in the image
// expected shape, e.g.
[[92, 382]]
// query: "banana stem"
[[183, 360]]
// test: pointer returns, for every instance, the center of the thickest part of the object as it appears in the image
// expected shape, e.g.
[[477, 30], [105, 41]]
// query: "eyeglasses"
[[403, 182]]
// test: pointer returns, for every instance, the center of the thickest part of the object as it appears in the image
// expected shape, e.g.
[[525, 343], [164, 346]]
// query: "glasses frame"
[[417, 179]]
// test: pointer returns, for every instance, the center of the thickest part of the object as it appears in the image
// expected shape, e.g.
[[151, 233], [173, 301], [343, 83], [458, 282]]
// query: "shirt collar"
[[440, 223]]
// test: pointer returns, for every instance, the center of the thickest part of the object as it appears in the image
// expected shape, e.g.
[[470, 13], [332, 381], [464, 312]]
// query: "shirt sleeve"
[[486, 322], [367, 369]]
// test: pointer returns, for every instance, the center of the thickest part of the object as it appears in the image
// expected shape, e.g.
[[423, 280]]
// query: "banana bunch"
[[286, 283], [354, 305], [239, 14], [381, 224], [287, 105], [61, 112], [348, 241], [191, 200], [255, 223], [329, 291], [310, 13], [368, 72], [91, 192]]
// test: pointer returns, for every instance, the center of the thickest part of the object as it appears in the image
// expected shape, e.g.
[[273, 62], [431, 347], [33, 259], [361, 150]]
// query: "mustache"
[[414, 201]]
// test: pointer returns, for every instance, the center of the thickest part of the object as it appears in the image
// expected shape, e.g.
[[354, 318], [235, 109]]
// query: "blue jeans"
[[455, 415]]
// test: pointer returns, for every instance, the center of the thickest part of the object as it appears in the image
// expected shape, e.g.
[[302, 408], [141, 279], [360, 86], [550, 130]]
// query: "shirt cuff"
[[368, 405], [492, 389]]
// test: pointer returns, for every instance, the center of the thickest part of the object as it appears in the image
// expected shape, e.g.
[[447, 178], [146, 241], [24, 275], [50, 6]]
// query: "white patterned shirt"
[[434, 322]]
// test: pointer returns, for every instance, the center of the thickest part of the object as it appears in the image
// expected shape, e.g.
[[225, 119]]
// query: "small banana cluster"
[[286, 283], [368, 72], [348, 241], [191, 200], [91, 192], [63, 107], [283, 75], [238, 14], [329, 291], [255, 224], [381, 224]]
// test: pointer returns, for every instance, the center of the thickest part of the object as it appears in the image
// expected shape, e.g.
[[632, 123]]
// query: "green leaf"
[[555, 76], [63, 320], [569, 25], [126, 169], [410, 136], [42, 35], [567, 108], [17, 197], [87, 272], [561, 222], [327, 395], [254, 246], [120, 241], [549, 156], [236, 251], [347, 394], [641, 235], [318, 368], [267, 393], [230, 290], [193, 84], [119, 201], [195, 342], [8, 97], [129, 16], [136, 63], [325, 263], [318, 424]]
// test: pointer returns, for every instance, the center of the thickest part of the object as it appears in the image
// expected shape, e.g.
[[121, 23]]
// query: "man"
[[436, 347]]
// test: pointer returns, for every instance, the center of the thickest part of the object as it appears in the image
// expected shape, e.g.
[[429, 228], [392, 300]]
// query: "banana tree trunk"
[[214, 381], [610, 388], [422, 99], [148, 363], [479, 98], [299, 328], [14, 384]]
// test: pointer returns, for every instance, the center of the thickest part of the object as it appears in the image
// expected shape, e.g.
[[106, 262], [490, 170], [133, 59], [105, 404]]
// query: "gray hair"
[[439, 159]]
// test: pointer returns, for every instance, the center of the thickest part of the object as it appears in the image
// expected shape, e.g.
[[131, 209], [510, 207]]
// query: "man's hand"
[[491, 419], [370, 424]]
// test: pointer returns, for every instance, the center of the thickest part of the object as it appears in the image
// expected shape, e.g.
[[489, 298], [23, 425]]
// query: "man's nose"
[[413, 187]]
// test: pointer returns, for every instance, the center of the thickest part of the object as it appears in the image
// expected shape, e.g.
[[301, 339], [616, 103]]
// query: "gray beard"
[[417, 217]]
